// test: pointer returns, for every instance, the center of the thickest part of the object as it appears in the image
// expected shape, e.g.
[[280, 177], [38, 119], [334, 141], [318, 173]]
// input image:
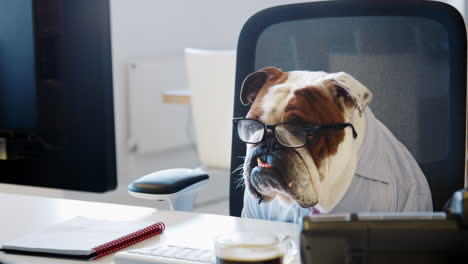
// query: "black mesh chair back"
[[412, 57]]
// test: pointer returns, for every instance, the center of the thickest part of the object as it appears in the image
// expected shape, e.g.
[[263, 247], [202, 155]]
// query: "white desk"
[[21, 215]]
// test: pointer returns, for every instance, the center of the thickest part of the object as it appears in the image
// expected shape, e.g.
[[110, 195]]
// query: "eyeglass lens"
[[250, 131], [289, 135]]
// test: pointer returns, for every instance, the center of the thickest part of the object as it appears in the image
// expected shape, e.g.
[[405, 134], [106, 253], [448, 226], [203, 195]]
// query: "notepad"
[[83, 237]]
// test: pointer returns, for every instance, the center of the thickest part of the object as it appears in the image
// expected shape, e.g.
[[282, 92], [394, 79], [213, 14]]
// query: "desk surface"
[[21, 215]]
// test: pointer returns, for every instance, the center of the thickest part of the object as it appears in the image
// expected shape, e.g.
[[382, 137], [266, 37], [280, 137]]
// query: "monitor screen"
[[56, 100]]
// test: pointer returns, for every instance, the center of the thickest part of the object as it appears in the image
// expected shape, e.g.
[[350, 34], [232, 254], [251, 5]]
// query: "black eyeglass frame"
[[310, 130]]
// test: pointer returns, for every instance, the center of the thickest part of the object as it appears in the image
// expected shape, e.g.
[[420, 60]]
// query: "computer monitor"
[[56, 99]]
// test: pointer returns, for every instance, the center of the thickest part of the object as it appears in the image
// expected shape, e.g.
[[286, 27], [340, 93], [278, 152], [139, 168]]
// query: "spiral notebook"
[[85, 238]]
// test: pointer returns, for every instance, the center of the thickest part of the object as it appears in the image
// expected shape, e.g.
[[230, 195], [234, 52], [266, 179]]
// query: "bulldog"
[[304, 134]]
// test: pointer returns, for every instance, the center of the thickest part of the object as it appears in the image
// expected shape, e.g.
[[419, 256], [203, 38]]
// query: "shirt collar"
[[372, 163]]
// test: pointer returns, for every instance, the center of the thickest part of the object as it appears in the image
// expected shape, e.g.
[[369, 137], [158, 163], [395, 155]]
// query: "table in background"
[[21, 215], [182, 96]]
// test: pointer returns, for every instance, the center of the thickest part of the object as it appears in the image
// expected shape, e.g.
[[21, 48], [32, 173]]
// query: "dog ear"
[[251, 85], [255, 81], [348, 91]]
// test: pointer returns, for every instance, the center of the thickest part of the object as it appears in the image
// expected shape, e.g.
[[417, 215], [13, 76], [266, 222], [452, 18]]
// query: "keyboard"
[[165, 254]]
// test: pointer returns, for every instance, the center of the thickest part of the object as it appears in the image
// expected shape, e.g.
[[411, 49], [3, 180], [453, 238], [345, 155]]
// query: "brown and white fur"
[[317, 174]]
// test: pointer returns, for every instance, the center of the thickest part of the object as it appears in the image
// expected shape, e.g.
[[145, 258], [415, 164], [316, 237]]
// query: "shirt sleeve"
[[273, 210], [250, 209], [417, 201]]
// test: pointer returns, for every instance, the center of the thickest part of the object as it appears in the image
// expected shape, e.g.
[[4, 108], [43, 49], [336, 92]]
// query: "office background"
[[159, 31]]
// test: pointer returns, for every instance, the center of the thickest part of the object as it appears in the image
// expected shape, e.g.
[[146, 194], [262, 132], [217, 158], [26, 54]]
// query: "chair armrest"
[[177, 186], [168, 181]]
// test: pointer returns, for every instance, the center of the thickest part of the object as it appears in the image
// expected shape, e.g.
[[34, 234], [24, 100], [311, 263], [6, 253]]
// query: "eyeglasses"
[[291, 135]]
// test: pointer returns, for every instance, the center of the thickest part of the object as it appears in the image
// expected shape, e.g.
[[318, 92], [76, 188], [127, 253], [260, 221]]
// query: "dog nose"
[[270, 141]]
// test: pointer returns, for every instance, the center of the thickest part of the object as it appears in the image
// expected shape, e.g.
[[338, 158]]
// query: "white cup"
[[253, 248]]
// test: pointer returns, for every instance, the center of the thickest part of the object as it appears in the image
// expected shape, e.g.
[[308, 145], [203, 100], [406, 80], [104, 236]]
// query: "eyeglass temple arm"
[[341, 126]]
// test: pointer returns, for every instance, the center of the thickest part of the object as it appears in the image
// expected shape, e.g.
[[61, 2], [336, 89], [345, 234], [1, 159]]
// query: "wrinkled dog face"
[[316, 98]]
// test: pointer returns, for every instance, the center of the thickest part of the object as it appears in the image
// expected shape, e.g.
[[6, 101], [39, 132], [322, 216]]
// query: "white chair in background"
[[210, 74]]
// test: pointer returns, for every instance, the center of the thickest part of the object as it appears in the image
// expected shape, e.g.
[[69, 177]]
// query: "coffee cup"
[[254, 248]]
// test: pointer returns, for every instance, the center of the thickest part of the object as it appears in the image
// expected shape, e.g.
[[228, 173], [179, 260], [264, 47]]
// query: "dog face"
[[315, 98]]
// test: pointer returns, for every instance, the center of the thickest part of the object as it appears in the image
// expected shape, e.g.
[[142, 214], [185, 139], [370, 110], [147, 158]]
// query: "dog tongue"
[[262, 164], [314, 210]]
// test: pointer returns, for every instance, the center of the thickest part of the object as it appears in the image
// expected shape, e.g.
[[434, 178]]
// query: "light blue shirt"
[[387, 179]]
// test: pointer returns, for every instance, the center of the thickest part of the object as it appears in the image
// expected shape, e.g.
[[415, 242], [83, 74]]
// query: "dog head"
[[314, 98]]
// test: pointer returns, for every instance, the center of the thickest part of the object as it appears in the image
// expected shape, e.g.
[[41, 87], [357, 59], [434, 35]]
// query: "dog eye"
[[312, 134], [296, 120], [293, 118], [311, 137]]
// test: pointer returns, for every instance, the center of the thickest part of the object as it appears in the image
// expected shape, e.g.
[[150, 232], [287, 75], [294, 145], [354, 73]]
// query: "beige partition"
[[211, 78]]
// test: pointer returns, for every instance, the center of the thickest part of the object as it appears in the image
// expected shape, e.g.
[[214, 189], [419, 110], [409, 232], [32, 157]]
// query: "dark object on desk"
[[458, 206], [388, 238], [56, 95]]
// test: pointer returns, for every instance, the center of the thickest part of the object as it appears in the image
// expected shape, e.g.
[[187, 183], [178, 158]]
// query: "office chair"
[[412, 56]]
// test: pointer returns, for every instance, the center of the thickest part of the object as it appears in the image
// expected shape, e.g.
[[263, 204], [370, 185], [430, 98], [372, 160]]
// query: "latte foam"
[[249, 253]]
